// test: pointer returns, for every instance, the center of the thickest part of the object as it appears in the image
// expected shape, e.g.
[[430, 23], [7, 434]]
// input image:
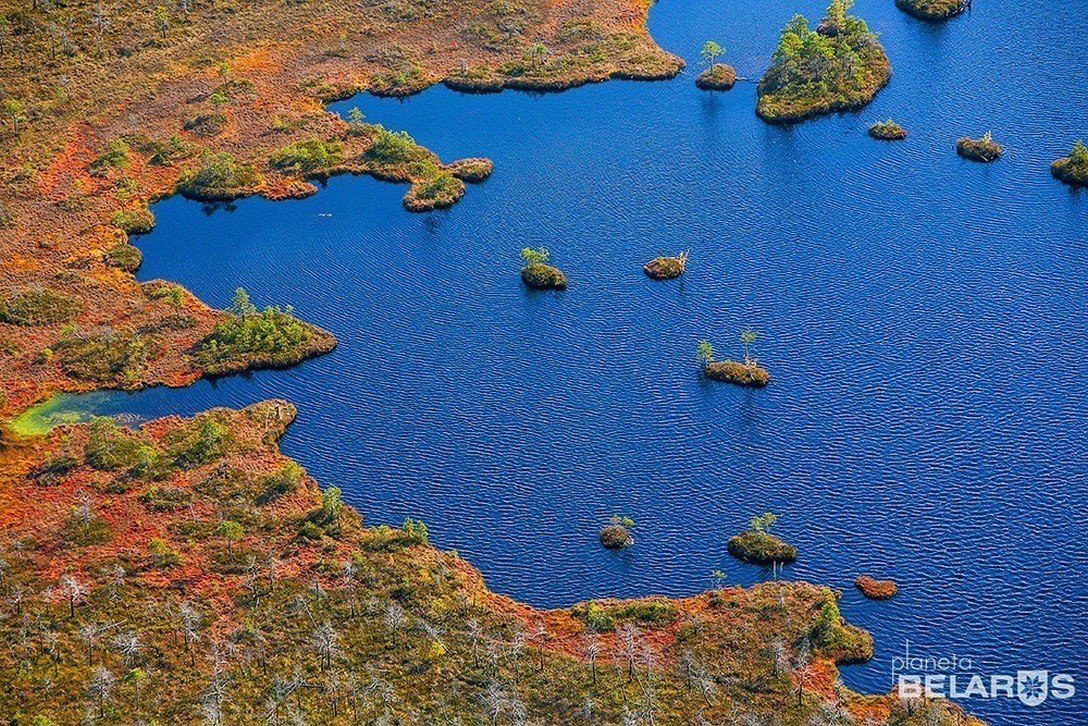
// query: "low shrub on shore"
[[932, 10]]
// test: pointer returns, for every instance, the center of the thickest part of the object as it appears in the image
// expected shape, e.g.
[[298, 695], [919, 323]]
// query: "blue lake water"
[[923, 317]]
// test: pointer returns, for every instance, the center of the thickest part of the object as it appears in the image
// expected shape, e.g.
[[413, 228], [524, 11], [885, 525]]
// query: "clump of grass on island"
[[616, 535], [984, 149], [839, 66], [666, 268], [473, 170], [537, 274], [38, 306], [875, 589], [716, 76], [310, 157], [758, 546], [437, 188], [887, 130], [932, 10], [742, 373], [248, 338], [1073, 169]]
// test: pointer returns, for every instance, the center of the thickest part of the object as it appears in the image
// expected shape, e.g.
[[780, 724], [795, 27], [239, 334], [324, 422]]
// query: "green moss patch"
[[125, 257], [219, 178], [134, 221]]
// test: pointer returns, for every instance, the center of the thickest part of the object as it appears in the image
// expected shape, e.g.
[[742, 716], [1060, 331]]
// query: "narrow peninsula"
[[840, 66]]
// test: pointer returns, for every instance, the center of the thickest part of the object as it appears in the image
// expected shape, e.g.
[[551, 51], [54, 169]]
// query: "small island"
[[1073, 169], [984, 150], [933, 10], [840, 66], [537, 274], [875, 589], [758, 546], [666, 268], [887, 130], [716, 76], [616, 535], [746, 373]]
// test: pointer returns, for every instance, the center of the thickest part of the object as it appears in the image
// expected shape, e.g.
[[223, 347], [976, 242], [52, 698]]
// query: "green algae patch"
[[761, 548], [887, 130], [1073, 169], [43, 417], [983, 150], [718, 77], [840, 66], [932, 10]]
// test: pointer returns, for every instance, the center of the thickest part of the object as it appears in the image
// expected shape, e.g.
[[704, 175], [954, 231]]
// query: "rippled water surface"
[[923, 317]]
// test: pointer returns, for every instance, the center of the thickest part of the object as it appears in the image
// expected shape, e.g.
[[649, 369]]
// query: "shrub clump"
[[537, 274], [248, 339], [115, 157], [984, 149], [39, 306], [616, 535], [111, 447], [218, 178], [666, 268], [875, 589], [1073, 169], [308, 157], [839, 66], [718, 77], [206, 124], [166, 498], [437, 190], [932, 10], [280, 483], [831, 635], [887, 131], [125, 257], [104, 358], [394, 147], [605, 616], [201, 441], [134, 221]]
